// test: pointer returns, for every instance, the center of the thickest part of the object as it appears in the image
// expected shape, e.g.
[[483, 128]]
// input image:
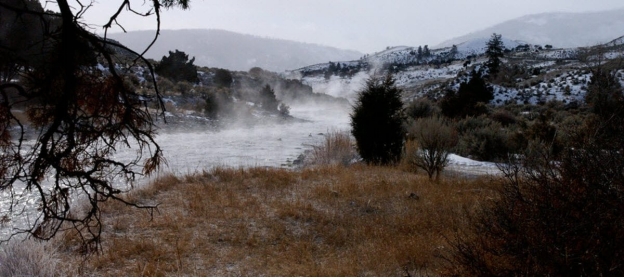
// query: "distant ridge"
[[557, 29], [234, 51]]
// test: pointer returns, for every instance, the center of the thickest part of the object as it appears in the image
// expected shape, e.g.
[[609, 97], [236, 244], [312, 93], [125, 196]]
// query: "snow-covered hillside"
[[548, 74], [557, 29], [478, 46], [401, 56]]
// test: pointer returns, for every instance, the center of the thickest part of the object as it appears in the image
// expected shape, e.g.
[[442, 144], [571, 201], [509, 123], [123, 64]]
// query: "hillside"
[[542, 74], [557, 29], [233, 51]]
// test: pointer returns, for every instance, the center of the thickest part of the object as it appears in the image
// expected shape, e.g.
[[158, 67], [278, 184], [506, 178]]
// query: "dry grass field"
[[321, 221]]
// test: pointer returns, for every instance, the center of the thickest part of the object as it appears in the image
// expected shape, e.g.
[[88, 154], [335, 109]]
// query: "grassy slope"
[[329, 221]]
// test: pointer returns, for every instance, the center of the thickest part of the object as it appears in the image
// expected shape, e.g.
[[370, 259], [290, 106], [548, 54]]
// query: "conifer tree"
[[377, 121], [178, 67], [494, 53], [267, 99], [453, 52], [605, 100], [469, 99]]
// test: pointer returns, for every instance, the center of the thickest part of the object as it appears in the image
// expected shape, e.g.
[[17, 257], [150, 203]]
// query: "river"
[[269, 144], [265, 144]]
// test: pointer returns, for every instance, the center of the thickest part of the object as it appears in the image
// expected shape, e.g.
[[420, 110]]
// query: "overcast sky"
[[363, 25]]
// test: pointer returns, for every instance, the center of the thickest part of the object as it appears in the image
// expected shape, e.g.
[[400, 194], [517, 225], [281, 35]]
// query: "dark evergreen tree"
[[330, 70], [332, 67], [469, 100], [453, 52], [604, 94], [284, 109], [605, 99], [494, 53], [420, 53], [426, 51], [377, 121], [223, 78], [211, 108], [22, 41], [177, 67], [268, 100]]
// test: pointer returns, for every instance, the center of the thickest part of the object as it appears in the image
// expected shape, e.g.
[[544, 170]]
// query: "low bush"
[[421, 108], [483, 139], [436, 139], [503, 117], [337, 148]]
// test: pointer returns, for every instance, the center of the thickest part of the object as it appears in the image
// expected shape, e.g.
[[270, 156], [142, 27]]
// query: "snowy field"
[[466, 166]]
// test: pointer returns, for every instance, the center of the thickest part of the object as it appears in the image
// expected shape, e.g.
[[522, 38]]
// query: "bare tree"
[[436, 139], [79, 117]]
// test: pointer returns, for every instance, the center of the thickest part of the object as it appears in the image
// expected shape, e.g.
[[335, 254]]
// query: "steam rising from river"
[[344, 87], [269, 143]]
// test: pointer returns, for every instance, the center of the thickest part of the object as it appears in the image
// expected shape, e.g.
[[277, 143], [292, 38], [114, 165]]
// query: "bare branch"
[[79, 117]]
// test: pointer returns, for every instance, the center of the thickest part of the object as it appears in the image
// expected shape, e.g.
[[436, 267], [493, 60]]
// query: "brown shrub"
[[336, 149], [436, 138], [503, 117], [559, 218]]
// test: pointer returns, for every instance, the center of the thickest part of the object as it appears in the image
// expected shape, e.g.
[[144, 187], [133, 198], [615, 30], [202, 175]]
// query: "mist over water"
[[266, 144], [269, 144], [340, 87]]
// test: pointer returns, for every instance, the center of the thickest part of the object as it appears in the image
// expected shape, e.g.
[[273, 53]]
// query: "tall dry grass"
[[27, 257], [408, 160], [324, 221], [337, 148]]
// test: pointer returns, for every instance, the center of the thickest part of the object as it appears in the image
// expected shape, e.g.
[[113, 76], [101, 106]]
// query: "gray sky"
[[363, 25]]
